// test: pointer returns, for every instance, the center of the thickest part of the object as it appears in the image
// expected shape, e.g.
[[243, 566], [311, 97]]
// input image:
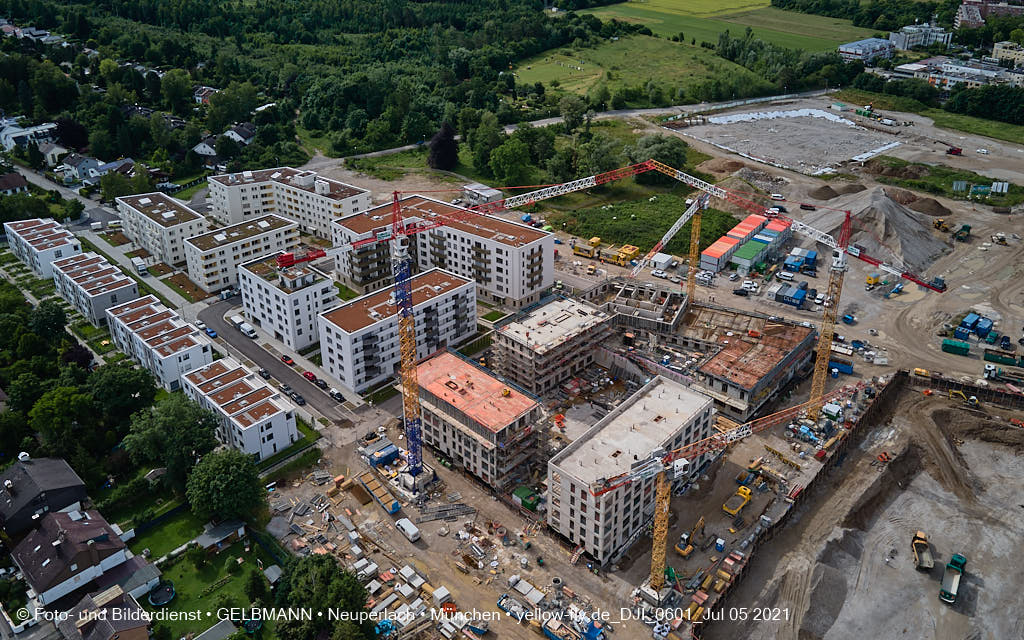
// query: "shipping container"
[[843, 365], [958, 347], [748, 254], [961, 333], [716, 257], [970, 321], [792, 263], [983, 327], [811, 258], [992, 355]]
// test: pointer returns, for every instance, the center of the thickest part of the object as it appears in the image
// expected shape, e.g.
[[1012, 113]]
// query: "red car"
[[287, 360], [308, 375]]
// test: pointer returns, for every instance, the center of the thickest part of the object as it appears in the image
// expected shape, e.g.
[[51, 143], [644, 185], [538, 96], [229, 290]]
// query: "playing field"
[[703, 20], [630, 61]]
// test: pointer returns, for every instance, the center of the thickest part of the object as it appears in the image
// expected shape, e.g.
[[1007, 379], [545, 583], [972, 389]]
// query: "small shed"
[[216, 537], [661, 260]]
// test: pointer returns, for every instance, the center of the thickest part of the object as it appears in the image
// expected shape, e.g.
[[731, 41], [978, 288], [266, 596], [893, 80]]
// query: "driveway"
[[316, 398]]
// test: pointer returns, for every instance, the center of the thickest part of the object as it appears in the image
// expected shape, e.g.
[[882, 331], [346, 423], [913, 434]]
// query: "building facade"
[[359, 339], [866, 50], [92, 285], [285, 302], [159, 224], [661, 416], [478, 421], [920, 35], [310, 200], [511, 263], [38, 242], [971, 14], [159, 340], [1009, 51], [253, 417], [543, 348], [213, 257]]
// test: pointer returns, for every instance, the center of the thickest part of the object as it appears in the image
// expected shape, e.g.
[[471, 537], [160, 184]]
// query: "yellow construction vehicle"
[[626, 254], [971, 401], [940, 224], [999, 238], [873, 279], [737, 501], [590, 249], [685, 545]]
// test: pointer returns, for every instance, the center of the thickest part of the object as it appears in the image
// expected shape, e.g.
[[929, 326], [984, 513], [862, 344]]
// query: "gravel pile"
[[825, 192], [930, 207]]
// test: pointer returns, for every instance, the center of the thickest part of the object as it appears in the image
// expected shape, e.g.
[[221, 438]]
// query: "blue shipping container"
[[970, 321], [961, 333], [385, 456], [983, 328], [811, 258], [843, 367]]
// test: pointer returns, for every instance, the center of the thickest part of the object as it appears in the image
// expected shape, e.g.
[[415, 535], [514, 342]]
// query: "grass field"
[[942, 118], [632, 61], [703, 20]]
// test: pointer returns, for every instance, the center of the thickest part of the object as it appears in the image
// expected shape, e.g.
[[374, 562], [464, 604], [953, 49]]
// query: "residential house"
[[38, 242], [52, 152], [1009, 51], [203, 94], [92, 285], [244, 133], [207, 147], [31, 488], [77, 167], [14, 135], [12, 183], [111, 614]]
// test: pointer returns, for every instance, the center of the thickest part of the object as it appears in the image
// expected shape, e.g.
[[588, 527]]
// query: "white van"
[[784, 275], [247, 330], [236, 321], [778, 196], [408, 529]]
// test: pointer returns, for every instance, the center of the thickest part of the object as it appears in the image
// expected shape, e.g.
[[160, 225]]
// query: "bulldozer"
[[941, 224]]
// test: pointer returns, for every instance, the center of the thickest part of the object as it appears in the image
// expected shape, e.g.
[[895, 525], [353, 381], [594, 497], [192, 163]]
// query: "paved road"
[[316, 398]]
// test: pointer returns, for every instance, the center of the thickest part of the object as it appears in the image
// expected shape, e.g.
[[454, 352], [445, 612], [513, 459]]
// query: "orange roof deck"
[[745, 360], [473, 391], [375, 307], [778, 225], [207, 373], [720, 247]]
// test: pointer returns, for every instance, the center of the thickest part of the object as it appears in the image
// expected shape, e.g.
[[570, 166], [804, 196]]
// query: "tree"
[[35, 156], [486, 138], [24, 391], [667, 149], [63, 416], [224, 484], [176, 85], [114, 185], [256, 587], [121, 390], [174, 432], [227, 147], [48, 320], [315, 581], [599, 154], [510, 162], [572, 109], [444, 149]]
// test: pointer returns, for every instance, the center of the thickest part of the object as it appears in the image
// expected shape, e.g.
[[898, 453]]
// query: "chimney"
[[94, 555]]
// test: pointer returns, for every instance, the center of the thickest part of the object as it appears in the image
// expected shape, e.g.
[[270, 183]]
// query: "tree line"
[[883, 15]]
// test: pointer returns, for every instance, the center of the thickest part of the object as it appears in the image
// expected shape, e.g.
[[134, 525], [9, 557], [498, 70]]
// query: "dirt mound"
[[901, 196], [930, 207], [825, 192], [721, 165], [976, 425], [879, 167], [851, 188]]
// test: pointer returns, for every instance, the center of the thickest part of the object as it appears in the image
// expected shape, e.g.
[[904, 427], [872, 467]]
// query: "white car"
[[819, 299], [734, 277], [658, 273], [750, 286], [983, 152], [200, 325]]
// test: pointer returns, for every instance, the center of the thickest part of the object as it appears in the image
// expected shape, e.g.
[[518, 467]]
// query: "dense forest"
[[998, 102], [884, 15]]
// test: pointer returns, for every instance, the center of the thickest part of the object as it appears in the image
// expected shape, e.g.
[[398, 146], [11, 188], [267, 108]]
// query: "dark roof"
[[75, 159], [32, 477], [101, 616], [42, 561], [220, 631], [244, 129], [213, 534], [12, 180]]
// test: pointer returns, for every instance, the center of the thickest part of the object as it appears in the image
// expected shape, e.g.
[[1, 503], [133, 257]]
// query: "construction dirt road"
[[844, 567]]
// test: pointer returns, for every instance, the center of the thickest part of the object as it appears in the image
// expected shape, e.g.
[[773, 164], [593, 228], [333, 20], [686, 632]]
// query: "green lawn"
[[630, 62], [945, 119], [309, 436], [144, 289], [494, 315], [938, 179], [169, 535], [703, 20], [186, 194], [311, 143], [210, 587], [344, 292]]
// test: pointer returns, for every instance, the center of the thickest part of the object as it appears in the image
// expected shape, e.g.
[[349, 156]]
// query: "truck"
[[737, 501], [922, 551], [236, 321], [591, 249], [140, 266], [951, 578], [963, 234], [96, 226]]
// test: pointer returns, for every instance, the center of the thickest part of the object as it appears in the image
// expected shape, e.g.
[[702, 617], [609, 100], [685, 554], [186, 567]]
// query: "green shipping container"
[[956, 346], [1000, 357], [526, 497]]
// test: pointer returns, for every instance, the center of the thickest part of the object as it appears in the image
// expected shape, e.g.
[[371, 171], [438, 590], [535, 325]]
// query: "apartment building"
[[661, 416], [92, 285], [310, 200], [285, 302], [866, 50], [920, 35], [480, 422], [213, 257], [359, 338], [40, 241], [511, 263], [550, 344], [159, 224], [253, 417], [159, 340], [1011, 51]]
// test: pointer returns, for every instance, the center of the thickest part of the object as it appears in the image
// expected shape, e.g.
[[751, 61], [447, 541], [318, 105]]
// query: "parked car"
[[675, 263], [337, 395], [983, 152], [286, 389], [287, 360], [264, 374], [819, 299], [734, 277], [740, 292], [676, 280], [210, 332], [320, 382], [200, 325], [308, 375], [658, 273], [297, 397]]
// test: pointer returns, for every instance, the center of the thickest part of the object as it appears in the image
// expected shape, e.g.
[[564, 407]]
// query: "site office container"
[[751, 252], [958, 347], [970, 321], [715, 257], [983, 327]]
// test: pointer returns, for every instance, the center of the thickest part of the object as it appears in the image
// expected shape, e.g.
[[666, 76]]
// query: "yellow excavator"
[[971, 401], [940, 224], [685, 545]]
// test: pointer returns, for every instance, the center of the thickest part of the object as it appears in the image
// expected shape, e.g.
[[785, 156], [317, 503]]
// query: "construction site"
[[830, 452]]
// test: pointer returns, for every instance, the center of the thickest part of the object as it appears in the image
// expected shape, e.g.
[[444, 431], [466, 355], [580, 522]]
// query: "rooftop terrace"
[[161, 208]]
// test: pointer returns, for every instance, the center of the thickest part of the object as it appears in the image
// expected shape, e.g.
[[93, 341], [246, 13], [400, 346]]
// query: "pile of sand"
[[851, 188], [825, 192], [721, 165], [901, 196], [879, 167], [930, 207]]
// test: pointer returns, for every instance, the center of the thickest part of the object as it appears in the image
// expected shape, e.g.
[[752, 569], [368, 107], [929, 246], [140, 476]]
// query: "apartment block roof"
[[161, 208], [297, 178], [546, 327], [489, 401], [287, 280], [368, 310], [246, 399], [458, 218], [160, 328], [634, 430], [41, 233], [93, 273], [240, 232]]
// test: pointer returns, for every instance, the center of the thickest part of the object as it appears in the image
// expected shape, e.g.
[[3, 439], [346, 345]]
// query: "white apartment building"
[[359, 339], [253, 417], [285, 302], [661, 416], [310, 200], [213, 257], [159, 224], [920, 35], [92, 285], [511, 263], [1011, 51], [479, 422], [38, 242], [159, 340]]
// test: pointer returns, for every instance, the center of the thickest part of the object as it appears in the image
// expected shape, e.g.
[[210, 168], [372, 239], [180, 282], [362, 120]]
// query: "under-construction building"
[[482, 423], [543, 347]]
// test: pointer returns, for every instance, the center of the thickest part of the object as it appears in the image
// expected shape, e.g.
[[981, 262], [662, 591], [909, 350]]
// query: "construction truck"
[[951, 578], [922, 551], [623, 255], [590, 249], [940, 224], [963, 234], [737, 501]]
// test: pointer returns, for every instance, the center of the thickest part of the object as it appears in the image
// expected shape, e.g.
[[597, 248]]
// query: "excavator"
[[971, 401], [941, 224], [685, 545]]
